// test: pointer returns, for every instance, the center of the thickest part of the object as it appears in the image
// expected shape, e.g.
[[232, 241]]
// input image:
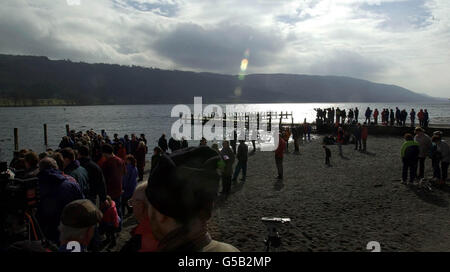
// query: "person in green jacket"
[[410, 155]]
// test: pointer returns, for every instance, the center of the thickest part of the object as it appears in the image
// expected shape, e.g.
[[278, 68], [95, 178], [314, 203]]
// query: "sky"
[[400, 42]]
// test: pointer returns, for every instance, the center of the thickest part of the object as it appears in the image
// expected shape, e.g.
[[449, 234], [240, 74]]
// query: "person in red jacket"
[[375, 116], [110, 222], [421, 117], [279, 152], [113, 170]]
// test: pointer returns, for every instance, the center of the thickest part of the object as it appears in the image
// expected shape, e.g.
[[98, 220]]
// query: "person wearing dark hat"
[[181, 191], [78, 221]]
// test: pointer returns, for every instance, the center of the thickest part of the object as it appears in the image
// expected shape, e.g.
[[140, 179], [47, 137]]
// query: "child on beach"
[[110, 222], [327, 155]]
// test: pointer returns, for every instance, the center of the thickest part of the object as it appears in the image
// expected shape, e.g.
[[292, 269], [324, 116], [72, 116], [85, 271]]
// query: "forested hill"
[[27, 80]]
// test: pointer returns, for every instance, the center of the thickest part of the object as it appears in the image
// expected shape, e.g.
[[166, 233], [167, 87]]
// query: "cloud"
[[403, 42]]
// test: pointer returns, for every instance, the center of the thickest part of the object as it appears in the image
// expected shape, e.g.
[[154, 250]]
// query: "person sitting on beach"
[[181, 192], [409, 154], [78, 221], [142, 239], [327, 155], [242, 156]]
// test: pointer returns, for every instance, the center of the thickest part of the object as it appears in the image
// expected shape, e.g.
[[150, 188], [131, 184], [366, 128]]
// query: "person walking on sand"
[[424, 149], [242, 156], [409, 154], [279, 152], [327, 155]]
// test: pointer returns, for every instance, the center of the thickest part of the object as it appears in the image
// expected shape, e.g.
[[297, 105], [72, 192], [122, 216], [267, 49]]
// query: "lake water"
[[152, 120]]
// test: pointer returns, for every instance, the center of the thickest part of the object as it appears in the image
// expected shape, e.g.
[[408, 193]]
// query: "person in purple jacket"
[[56, 191], [129, 183]]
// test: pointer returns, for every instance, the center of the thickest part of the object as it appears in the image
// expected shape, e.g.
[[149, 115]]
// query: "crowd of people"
[[388, 117], [92, 183], [415, 151]]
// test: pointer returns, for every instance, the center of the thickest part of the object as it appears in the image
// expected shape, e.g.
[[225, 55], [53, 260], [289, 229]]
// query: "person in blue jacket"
[[129, 183]]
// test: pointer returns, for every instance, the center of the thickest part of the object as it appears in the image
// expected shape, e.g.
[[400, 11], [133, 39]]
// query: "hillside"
[[27, 80]]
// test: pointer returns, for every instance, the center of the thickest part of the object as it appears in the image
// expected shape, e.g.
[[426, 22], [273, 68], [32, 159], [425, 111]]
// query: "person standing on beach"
[[424, 149], [409, 154], [113, 170], [350, 116], [420, 116], [229, 157], [357, 134], [129, 183], [181, 193], [340, 139], [412, 116], [96, 180], [392, 117], [364, 135], [397, 115], [356, 114], [242, 156], [157, 153], [375, 116], [327, 155], [140, 153], [442, 155], [426, 118], [162, 143], [279, 153], [368, 114], [73, 168]]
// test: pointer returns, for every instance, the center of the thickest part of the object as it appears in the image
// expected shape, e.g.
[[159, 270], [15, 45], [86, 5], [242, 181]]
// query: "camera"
[[18, 200], [273, 237]]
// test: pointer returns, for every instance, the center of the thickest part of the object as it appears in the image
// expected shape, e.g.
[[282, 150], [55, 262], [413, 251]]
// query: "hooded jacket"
[[56, 191]]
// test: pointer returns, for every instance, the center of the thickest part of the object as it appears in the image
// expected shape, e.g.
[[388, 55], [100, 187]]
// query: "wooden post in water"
[[16, 139], [45, 137], [67, 129]]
